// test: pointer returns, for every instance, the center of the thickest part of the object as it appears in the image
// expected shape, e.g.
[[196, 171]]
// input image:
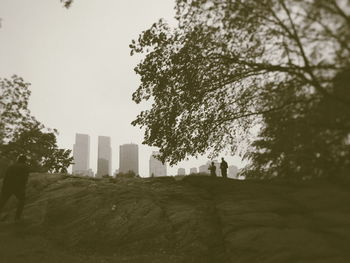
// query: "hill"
[[196, 219]]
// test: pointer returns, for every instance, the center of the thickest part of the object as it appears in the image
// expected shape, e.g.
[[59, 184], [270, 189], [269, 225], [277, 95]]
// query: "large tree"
[[210, 79]]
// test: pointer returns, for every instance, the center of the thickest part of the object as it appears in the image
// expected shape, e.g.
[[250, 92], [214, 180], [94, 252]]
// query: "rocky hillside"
[[196, 219]]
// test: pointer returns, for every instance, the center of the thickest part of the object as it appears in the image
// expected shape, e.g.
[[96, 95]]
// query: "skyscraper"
[[156, 167], [81, 154], [193, 170], [129, 158], [232, 171], [204, 169], [181, 171], [104, 157], [218, 170]]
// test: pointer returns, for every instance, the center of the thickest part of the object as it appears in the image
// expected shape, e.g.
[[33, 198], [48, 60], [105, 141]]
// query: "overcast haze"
[[79, 64]]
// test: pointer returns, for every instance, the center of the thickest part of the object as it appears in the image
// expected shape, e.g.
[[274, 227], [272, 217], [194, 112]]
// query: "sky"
[[80, 69]]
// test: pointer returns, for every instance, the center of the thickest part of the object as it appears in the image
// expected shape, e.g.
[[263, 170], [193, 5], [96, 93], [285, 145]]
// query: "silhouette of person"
[[212, 169], [14, 183], [223, 168]]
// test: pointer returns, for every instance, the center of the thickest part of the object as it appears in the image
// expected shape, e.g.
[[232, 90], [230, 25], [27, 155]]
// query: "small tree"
[[41, 150], [21, 133]]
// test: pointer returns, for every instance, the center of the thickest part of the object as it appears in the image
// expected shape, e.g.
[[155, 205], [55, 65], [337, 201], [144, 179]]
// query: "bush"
[[129, 174]]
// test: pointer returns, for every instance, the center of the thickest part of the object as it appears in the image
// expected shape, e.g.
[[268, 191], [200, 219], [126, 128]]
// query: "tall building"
[[181, 171], [232, 171], [89, 173], [129, 158], [104, 156], [218, 170], [193, 170], [204, 169], [81, 154], [156, 167]]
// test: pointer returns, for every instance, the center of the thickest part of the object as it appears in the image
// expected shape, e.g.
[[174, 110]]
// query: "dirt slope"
[[197, 219]]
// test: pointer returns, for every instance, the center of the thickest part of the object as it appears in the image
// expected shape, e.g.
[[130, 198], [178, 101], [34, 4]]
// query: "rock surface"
[[196, 219]]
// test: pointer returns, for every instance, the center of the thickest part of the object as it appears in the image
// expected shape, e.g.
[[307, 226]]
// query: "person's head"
[[222, 159], [212, 163], [22, 159]]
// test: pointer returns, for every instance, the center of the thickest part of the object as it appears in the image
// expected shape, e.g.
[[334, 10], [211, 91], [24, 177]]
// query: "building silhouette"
[[218, 170], [204, 169], [181, 171], [232, 171], [81, 155], [116, 172], [104, 156], [193, 170], [129, 158], [156, 167]]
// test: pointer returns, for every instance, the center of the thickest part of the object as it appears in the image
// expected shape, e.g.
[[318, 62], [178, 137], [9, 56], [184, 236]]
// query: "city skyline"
[[113, 162], [129, 158]]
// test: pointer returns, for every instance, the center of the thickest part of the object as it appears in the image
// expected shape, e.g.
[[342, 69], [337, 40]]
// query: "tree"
[[21, 133], [211, 79], [40, 148], [313, 142], [14, 112]]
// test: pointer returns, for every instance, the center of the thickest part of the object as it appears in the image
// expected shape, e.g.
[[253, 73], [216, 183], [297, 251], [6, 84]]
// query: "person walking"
[[212, 169], [223, 168], [14, 183]]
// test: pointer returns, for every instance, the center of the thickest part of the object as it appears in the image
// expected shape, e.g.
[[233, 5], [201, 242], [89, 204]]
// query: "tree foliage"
[[312, 141], [14, 112], [66, 3], [21, 133], [229, 64], [40, 148]]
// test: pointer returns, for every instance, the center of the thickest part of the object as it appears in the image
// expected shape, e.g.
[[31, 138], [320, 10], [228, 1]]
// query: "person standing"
[[212, 169], [14, 183], [223, 168]]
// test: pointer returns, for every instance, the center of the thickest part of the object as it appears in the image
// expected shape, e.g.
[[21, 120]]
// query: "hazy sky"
[[79, 64]]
